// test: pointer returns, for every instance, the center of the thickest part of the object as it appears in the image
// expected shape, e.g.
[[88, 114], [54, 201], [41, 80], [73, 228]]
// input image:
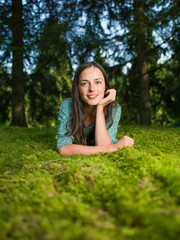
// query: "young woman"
[[88, 121]]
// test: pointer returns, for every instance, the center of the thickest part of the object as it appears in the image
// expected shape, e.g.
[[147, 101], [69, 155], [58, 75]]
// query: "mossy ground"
[[133, 193]]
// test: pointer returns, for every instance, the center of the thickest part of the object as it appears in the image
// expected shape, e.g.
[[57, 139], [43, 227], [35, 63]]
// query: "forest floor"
[[131, 194]]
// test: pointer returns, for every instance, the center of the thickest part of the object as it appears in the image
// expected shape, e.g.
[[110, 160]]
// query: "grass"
[[133, 193]]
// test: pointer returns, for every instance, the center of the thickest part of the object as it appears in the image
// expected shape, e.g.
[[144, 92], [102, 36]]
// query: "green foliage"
[[50, 82], [165, 94], [130, 194]]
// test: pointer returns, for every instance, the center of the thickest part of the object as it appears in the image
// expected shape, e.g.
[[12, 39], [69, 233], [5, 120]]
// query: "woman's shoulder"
[[116, 111], [66, 103], [116, 108], [66, 107]]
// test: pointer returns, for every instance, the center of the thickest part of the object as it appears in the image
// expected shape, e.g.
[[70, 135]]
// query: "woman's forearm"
[[101, 134], [72, 149]]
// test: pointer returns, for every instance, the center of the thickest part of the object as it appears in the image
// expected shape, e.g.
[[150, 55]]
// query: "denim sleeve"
[[113, 129], [65, 113]]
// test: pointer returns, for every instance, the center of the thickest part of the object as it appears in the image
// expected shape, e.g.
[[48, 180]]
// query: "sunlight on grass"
[[133, 193]]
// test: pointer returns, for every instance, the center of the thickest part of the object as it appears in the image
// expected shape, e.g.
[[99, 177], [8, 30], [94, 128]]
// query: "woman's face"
[[91, 86]]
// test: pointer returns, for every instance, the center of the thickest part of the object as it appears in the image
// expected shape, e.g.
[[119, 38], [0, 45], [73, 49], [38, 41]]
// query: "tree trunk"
[[18, 84], [142, 65]]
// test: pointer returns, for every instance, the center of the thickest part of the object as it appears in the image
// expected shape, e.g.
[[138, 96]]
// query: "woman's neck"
[[90, 112]]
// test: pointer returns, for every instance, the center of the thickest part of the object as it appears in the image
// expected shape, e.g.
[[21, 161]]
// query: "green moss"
[[133, 193]]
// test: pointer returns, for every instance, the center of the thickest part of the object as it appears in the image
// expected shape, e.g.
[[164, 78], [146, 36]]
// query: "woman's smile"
[[92, 96]]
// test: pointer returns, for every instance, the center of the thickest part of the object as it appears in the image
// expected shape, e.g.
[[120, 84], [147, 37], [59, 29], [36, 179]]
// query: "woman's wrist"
[[111, 148], [100, 107]]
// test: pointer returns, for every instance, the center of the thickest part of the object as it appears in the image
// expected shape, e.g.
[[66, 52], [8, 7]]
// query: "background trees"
[[50, 81], [50, 38], [18, 85]]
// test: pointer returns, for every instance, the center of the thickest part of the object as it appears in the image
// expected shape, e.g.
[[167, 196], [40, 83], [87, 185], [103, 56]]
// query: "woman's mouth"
[[92, 96]]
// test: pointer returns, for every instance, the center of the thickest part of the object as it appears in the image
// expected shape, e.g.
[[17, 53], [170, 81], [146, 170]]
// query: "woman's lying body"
[[88, 122]]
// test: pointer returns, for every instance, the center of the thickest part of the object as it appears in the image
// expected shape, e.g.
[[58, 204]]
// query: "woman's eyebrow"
[[81, 80]]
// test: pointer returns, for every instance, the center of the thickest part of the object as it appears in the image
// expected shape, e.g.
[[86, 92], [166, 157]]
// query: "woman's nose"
[[91, 87]]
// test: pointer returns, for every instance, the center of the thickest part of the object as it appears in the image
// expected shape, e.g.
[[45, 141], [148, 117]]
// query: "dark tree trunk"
[[142, 65], [18, 84]]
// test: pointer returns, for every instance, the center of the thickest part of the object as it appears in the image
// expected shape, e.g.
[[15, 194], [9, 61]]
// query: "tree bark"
[[142, 64], [18, 83]]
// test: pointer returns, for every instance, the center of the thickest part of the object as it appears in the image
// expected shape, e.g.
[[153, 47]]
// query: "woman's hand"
[[125, 142], [110, 97]]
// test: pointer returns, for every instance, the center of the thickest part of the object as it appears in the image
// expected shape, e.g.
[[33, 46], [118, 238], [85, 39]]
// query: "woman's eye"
[[83, 84], [98, 82]]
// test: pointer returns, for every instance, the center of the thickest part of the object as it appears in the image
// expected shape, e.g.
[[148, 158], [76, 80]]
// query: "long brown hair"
[[78, 114]]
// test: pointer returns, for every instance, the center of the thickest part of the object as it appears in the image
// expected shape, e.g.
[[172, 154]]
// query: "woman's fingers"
[[110, 97], [128, 141], [111, 94], [125, 142]]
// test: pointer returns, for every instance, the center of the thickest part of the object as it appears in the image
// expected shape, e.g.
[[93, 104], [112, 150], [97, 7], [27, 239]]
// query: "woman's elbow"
[[63, 150], [60, 150]]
